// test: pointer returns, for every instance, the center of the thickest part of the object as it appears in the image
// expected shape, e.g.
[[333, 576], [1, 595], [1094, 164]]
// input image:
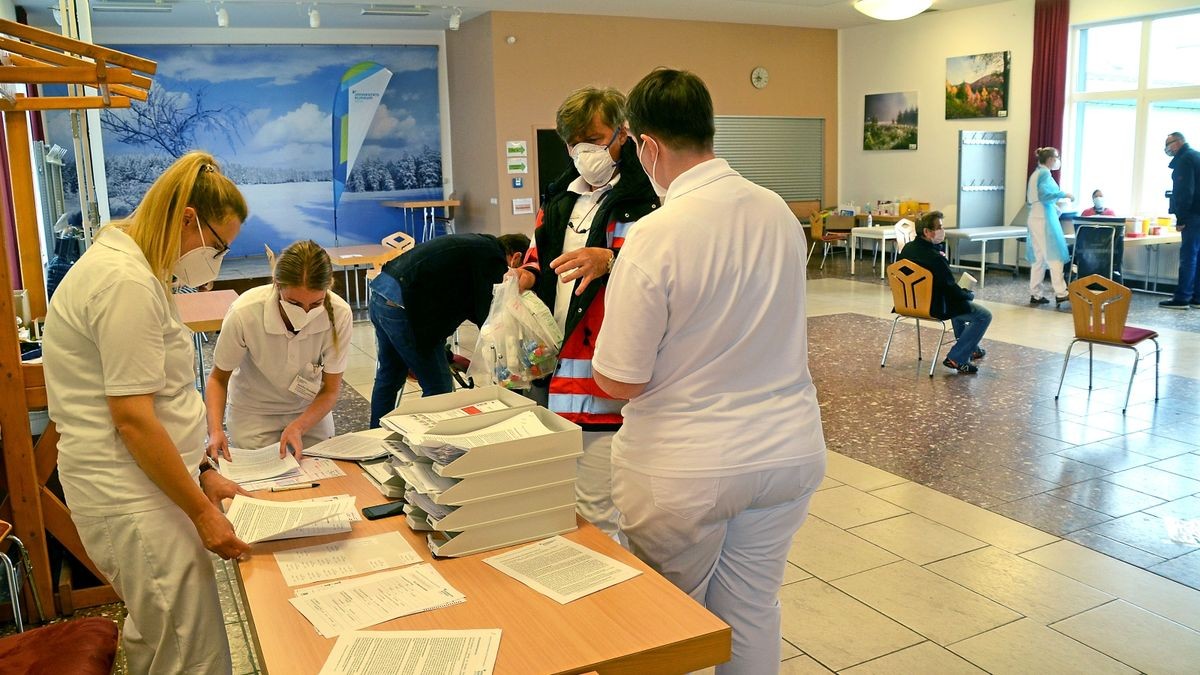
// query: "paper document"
[[429, 652], [258, 519], [345, 558], [352, 447], [561, 569], [967, 281], [312, 469], [253, 465], [425, 503], [352, 604], [445, 448], [419, 423], [333, 525], [421, 477]]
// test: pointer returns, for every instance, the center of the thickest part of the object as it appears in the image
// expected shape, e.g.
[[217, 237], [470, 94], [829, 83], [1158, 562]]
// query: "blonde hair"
[[306, 265], [193, 180], [1045, 154]]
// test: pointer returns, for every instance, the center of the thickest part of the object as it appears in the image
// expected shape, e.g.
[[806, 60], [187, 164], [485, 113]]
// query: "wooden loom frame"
[[40, 57]]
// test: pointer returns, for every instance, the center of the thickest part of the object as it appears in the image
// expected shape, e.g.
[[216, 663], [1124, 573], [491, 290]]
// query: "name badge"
[[308, 382]]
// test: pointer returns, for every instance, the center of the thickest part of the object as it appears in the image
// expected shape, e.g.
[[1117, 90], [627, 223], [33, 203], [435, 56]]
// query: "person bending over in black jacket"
[[950, 301]]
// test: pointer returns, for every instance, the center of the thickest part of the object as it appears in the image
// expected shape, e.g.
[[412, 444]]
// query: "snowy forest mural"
[[267, 114]]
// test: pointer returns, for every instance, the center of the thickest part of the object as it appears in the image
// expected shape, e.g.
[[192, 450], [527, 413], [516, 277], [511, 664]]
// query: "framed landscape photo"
[[977, 85], [890, 121]]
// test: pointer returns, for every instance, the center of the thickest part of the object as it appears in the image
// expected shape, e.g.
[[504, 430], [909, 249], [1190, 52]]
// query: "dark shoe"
[[1035, 300], [1195, 304], [1062, 300], [964, 368], [1173, 304], [978, 354]]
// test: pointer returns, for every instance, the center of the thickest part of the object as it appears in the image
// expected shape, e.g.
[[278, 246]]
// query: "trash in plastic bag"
[[519, 342]]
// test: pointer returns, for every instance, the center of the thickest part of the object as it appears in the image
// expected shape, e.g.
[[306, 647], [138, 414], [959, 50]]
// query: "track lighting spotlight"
[[222, 17], [314, 17], [455, 18]]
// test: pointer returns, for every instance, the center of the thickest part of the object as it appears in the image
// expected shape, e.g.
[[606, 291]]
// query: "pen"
[[297, 486]]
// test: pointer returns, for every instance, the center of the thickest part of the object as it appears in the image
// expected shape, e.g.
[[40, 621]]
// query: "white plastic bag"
[[519, 341]]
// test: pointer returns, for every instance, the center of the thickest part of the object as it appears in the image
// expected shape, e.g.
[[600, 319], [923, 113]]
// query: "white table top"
[[981, 233], [880, 232]]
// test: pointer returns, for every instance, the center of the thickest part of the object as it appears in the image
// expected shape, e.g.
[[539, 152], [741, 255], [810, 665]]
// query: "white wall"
[[911, 56]]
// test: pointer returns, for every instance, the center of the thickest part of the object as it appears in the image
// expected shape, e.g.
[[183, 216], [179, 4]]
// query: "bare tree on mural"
[[171, 121]]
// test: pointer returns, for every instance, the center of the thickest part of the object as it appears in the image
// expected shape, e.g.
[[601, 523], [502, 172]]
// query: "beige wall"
[[557, 53], [472, 92]]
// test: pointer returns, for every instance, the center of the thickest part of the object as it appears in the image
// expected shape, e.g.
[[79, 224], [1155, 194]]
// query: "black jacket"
[[630, 199], [448, 280], [948, 298], [1185, 185]]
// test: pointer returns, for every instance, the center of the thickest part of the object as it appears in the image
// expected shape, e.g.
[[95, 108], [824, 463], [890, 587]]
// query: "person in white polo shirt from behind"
[[705, 335], [279, 359]]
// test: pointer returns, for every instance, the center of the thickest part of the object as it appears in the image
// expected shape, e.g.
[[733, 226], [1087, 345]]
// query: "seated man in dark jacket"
[[950, 301], [421, 297]]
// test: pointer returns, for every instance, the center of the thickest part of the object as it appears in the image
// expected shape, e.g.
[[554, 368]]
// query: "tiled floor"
[[970, 523]]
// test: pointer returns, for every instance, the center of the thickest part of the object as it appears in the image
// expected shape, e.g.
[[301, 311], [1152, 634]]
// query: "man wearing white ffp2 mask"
[[580, 230]]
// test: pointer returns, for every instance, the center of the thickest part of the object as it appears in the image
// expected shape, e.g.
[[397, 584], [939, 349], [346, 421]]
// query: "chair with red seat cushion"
[[1100, 306], [828, 239], [84, 646]]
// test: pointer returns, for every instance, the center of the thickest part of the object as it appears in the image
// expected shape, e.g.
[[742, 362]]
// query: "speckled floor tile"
[[1109, 498], [1187, 465], [1106, 456], [1187, 508], [1057, 469], [1074, 433], [1185, 569], [1155, 482], [1114, 548], [1144, 531], [916, 538], [1051, 514], [1186, 432], [1004, 483], [1152, 444]]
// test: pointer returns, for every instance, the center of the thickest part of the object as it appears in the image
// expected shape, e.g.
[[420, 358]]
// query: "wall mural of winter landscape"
[[287, 123]]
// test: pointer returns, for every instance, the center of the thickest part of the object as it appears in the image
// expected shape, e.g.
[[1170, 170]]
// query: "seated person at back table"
[[949, 300], [1097, 208]]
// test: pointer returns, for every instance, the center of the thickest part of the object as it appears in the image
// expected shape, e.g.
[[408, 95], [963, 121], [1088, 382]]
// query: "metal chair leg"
[[13, 591], [1063, 375], [886, 347], [28, 566], [1157, 358], [1132, 372], [1090, 361], [933, 362], [919, 350]]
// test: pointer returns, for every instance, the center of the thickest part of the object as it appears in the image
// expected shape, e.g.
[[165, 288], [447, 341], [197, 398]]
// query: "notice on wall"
[[516, 149], [517, 165], [523, 206]]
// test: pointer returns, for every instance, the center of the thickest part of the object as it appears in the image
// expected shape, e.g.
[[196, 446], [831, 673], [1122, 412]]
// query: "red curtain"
[[1051, 29]]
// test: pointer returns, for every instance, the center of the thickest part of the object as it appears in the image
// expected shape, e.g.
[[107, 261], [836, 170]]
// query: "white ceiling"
[[345, 14]]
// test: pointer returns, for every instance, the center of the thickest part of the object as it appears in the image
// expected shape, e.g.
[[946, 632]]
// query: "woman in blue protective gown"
[[1047, 248]]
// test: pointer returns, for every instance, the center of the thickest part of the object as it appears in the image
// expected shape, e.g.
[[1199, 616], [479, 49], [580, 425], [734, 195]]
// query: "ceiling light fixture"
[[131, 7], [395, 10], [892, 10], [455, 18], [222, 16], [314, 17]]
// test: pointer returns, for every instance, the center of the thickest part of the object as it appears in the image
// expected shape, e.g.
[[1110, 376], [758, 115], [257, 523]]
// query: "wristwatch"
[[611, 259], [206, 465]]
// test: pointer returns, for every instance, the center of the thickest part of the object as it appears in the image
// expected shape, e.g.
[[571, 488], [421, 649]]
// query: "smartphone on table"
[[383, 510]]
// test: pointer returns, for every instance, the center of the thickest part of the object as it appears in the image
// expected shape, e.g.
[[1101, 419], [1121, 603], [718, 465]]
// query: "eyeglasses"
[[224, 247]]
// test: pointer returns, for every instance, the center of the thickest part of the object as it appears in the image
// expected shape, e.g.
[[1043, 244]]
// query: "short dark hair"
[[926, 222], [675, 107], [514, 243], [1177, 136]]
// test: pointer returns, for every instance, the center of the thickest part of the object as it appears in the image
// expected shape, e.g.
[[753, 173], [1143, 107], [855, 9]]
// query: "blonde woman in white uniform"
[[279, 359], [121, 388]]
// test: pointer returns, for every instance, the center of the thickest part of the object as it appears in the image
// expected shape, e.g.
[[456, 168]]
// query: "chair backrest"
[[1099, 306], [270, 259], [906, 231], [912, 289], [816, 224], [1095, 248], [399, 240]]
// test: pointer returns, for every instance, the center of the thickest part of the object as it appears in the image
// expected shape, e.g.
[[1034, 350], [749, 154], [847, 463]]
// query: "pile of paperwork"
[[345, 558], [353, 604], [429, 652], [561, 569], [246, 466], [257, 520], [354, 447], [312, 470]]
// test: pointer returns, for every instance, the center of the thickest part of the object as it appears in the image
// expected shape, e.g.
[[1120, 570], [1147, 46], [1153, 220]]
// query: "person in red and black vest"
[[585, 216]]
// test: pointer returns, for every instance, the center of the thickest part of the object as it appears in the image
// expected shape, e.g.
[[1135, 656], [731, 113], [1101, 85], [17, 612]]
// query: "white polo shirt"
[[579, 227], [706, 305], [112, 330], [265, 357]]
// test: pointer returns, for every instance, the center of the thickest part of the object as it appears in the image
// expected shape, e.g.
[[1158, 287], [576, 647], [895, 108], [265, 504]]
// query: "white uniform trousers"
[[1037, 240], [157, 565], [593, 482], [253, 430], [723, 541]]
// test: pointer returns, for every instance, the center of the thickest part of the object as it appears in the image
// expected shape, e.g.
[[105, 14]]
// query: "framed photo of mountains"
[[977, 85], [890, 121]]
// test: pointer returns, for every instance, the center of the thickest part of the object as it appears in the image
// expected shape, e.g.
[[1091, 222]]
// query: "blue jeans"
[[396, 354], [969, 328], [1188, 289]]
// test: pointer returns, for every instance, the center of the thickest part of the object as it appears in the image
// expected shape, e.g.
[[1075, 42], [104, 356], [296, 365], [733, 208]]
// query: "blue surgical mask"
[[1098, 203]]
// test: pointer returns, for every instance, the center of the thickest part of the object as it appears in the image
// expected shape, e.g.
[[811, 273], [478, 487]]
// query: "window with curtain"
[[1133, 82]]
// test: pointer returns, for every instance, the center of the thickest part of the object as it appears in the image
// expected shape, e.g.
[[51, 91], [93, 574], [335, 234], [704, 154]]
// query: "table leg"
[[853, 248], [982, 262], [346, 273]]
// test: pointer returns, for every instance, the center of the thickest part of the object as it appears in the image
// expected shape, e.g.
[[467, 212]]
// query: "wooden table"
[[429, 209], [350, 257], [203, 312], [644, 625]]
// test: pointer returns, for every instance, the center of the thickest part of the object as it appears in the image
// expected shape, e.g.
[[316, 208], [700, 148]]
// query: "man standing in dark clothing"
[[949, 301], [1185, 204], [421, 297]]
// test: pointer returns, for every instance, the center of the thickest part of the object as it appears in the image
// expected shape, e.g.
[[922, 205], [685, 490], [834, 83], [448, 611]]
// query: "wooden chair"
[[816, 223], [400, 241], [1100, 307], [912, 295]]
